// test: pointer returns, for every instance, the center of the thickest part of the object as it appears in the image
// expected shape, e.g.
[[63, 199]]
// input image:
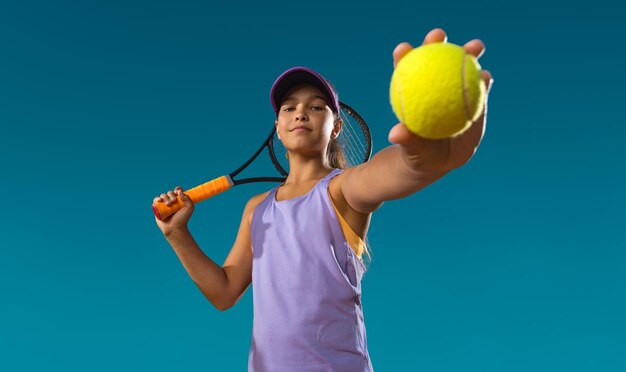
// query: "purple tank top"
[[306, 287]]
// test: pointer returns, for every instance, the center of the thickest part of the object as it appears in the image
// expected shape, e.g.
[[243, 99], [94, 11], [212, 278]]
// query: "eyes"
[[290, 108]]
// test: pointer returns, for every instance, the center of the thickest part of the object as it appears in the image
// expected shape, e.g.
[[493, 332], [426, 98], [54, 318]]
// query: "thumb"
[[401, 135], [409, 142]]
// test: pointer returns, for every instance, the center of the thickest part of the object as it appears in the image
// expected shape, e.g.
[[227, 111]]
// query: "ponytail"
[[335, 154]]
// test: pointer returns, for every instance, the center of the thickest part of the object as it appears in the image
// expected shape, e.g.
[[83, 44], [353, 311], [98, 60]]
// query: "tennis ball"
[[437, 90]]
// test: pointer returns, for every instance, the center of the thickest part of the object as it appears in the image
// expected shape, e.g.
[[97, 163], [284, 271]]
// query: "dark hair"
[[337, 159], [334, 153]]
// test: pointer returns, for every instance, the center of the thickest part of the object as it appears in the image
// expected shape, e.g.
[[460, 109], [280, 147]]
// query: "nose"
[[301, 116]]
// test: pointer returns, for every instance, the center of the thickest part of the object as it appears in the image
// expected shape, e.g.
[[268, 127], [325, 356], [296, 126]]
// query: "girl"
[[301, 243]]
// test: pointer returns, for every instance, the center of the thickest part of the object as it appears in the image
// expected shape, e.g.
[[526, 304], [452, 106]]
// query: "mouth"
[[300, 129]]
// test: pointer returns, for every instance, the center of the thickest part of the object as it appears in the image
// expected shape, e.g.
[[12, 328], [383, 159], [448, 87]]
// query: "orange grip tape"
[[197, 194]]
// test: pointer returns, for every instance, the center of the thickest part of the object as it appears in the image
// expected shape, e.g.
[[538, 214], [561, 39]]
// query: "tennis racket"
[[354, 138]]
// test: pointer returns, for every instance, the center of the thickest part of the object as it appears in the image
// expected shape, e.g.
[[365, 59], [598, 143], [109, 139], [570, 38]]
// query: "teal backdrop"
[[515, 262]]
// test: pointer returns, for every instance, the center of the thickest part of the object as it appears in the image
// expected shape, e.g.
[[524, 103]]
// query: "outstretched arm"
[[413, 162]]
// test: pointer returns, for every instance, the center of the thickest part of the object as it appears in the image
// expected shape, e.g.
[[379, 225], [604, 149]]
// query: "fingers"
[[436, 35], [185, 198], [488, 79], [171, 196], [401, 50], [475, 47]]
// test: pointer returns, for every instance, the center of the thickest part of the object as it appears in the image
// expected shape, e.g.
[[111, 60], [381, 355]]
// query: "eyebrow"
[[291, 98]]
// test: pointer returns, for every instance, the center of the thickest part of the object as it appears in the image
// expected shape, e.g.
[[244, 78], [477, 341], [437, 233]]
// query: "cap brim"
[[301, 75]]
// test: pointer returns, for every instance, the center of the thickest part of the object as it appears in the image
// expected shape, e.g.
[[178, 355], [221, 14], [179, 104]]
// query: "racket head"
[[355, 140]]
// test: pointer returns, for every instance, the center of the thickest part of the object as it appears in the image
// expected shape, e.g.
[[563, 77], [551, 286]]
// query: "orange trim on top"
[[354, 241]]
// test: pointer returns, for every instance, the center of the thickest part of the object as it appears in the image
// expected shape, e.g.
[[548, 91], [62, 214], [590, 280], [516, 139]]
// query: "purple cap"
[[301, 75]]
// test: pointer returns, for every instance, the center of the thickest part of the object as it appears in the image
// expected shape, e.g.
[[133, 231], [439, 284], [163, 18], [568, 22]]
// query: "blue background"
[[514, 262]]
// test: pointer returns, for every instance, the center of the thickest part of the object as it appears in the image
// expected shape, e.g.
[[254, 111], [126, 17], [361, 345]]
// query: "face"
[[305, 121]]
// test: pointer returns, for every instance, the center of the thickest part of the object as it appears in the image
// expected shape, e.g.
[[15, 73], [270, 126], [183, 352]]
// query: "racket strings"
[[353, 142], [357, 141]]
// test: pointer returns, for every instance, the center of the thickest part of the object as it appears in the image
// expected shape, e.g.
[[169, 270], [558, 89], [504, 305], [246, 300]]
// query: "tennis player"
[[302, 243]]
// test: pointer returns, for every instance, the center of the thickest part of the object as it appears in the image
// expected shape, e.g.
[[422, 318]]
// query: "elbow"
[[222, 305]]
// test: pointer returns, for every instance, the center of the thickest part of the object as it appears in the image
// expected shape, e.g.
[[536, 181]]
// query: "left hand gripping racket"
[[355, 140]]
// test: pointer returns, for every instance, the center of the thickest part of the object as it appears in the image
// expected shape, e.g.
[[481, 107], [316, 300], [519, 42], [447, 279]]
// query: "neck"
[[302, 170]]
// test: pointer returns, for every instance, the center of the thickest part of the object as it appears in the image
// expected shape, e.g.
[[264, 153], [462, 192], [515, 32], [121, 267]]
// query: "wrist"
[[425, 156], [176, 231]]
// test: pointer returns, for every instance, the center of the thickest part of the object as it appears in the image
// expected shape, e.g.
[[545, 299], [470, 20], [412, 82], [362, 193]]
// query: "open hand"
[[447, 153]]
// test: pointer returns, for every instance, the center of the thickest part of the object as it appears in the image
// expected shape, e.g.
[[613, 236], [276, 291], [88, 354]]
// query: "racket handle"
[[197, 194]]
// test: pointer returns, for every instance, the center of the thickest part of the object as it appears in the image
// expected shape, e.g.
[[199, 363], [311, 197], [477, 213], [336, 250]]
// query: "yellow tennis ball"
[[437, 90]]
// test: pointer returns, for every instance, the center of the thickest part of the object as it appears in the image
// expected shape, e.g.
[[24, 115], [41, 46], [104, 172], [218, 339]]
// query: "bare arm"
[[414, 162], [386, 176], [222, 286], [208, 276], [238, 264]]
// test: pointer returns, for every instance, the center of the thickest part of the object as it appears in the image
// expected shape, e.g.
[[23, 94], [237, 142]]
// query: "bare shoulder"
[[254, 201], [258, 198], [340, 189], [334, 187], [357, 219], [238, 263]]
